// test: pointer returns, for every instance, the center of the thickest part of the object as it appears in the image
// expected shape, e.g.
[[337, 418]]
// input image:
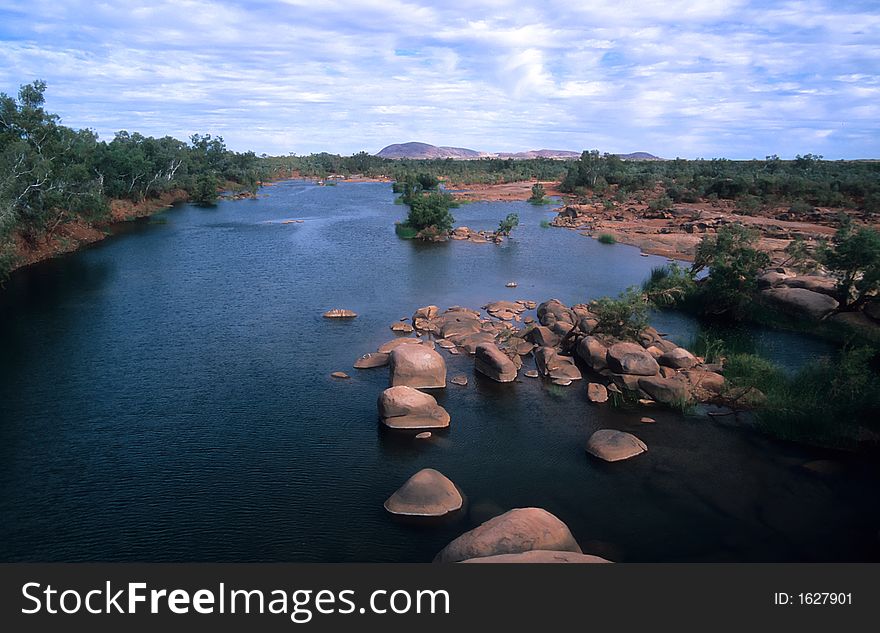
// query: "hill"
[[415, 150]]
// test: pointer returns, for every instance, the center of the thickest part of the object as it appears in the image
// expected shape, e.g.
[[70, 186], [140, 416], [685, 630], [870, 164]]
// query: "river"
[[166, 396]]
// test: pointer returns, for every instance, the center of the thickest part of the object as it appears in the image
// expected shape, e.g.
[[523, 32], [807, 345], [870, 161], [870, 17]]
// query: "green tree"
[[855, 254], [431, 210], [508, 224], [538, 194], [734, 263], [205, 190]]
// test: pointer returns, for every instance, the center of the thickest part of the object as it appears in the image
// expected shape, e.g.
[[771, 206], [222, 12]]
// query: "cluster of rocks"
[[811, 296], [477, 237], [654, 370]]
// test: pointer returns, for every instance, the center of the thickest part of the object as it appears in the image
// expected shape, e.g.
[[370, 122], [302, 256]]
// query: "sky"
[[701, 78]]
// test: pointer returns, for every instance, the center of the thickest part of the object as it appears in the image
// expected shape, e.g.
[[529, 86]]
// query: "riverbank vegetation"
[[53, 176]]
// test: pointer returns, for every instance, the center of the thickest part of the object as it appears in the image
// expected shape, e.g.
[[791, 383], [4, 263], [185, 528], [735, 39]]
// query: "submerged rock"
[[428, 493], [404, 407], [519, 530], [368, 361], [460, 380], [339, 374], [338, 313], [417, 366], [424, 435], [614, 446]]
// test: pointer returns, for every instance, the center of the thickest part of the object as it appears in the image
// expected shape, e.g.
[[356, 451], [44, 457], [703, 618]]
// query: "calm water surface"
[[165, 396]]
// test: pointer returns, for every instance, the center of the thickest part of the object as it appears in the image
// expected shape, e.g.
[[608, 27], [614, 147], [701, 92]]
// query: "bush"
[[607, 238], [538, 193], [733, 263], [662, 203], [508, 224], [669, 285], [855, 254], [431, 210], [624, 317], [204, 191], [826, 403]]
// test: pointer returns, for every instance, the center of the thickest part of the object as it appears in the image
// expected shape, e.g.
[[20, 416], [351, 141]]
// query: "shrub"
[[733, 263], [624, 317], [431, 210], [825, 403], [669, 285], [538, 193], [662, 203], [607, 238], [507, 224]]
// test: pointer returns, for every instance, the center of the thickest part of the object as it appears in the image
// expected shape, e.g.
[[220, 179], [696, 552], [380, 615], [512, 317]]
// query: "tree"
[[734, 264], [855, 255], [538, 194], [205, 190], [431, 210], [508, 224]]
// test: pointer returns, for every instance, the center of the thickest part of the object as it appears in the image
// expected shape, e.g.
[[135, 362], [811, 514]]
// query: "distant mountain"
[[639, 156], [425, 151], [560, 154]]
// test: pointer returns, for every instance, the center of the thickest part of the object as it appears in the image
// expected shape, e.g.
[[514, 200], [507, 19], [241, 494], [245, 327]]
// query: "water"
[[165, 396]]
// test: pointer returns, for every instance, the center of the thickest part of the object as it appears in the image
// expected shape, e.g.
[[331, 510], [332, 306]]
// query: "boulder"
[[368, 361], [442, 342], [338, 313], [460, 380], [771, 278], [519, 530], [417, 366], [406, 328], [455, 325], [704, 384], [817, 283], [428, 493], [802, 302], [555, 366], [539, 556], [340, 374], [597, 393], [470, 342], [614, 446], [647, 420], [670, 391], [543, 336], [531, 373], [629, 358], [679, 358], [593, 353], [386, 348], [553, 311], [404, 407], [492, 362]]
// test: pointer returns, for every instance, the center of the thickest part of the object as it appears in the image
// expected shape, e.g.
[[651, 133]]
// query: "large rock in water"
[[802, 302], [597, 393], [629, 358], [671, 391], [679, 358], [558, 367], [407, 408], [417, 366], [539, 556], [542, 336], [386, 348], [614, 446], [593, 353], [428, 493], [516, 531], [492, 362], [554, 311]]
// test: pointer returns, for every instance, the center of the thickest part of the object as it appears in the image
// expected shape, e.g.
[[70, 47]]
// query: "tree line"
[[51, 174]]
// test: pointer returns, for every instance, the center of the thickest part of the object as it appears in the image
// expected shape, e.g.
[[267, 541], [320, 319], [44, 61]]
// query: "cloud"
[[678, 78]]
